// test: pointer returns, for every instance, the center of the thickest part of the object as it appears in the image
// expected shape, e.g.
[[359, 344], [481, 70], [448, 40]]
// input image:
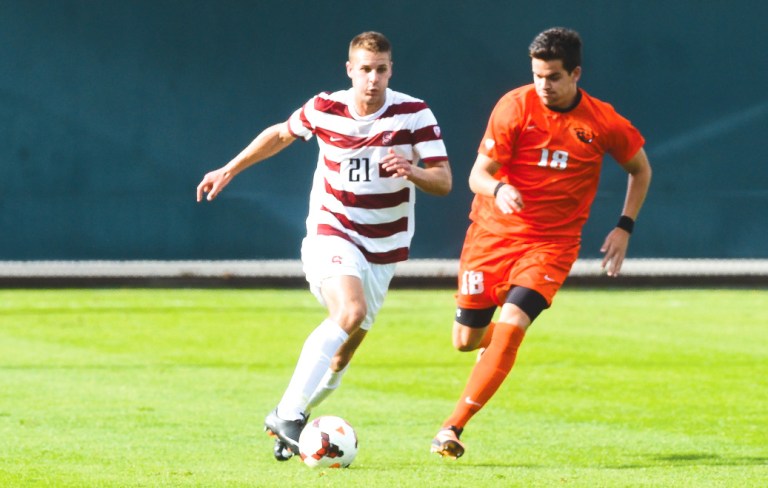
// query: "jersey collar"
[[572, 106]]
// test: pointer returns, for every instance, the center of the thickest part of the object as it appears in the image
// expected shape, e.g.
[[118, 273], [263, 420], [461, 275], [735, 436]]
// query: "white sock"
[[331, 380], [313, 362]]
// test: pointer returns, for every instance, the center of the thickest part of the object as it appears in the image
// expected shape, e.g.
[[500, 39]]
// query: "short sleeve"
[[625, 139], [299, 123], [427, 137], [498, 140]]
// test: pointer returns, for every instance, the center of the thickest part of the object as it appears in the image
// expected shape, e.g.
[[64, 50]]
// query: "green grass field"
[[128, 387]]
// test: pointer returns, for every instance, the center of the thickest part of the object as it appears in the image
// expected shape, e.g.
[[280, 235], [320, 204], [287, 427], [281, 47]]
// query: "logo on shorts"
[[336, 260]]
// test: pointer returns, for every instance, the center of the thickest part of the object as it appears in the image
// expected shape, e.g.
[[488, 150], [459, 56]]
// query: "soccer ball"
[[328, 442]]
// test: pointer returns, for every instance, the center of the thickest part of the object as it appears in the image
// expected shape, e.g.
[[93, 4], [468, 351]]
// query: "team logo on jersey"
[[584, 135], [386, 138], [437, 130], [336, 260]]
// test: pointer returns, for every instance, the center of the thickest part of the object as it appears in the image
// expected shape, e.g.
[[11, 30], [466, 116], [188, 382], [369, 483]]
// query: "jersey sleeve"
[[427, 138], [501, 132], [300, 122], [625, 139]]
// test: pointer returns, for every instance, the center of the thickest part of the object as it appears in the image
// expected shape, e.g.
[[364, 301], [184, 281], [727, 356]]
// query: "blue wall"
[[112, 111]]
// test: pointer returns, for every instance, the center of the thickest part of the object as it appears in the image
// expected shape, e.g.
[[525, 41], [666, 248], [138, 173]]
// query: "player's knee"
[[464, 345], [470, 326], [466, 339], [351, 316]]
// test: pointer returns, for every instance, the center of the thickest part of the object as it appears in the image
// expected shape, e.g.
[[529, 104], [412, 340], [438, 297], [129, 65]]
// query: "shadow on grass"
[[697, 459], [700, 458], [652, 461]]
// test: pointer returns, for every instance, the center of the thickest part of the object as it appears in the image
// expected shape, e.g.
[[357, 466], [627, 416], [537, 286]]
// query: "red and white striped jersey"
[[352, 197]]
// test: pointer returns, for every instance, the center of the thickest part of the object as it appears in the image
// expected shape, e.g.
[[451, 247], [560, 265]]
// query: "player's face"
[[370, 73], [554, 85]]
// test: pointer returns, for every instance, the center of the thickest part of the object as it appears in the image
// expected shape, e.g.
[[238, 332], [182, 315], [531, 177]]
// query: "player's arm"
[[269, 142], [617, 241], [482, 182], [434, 178]]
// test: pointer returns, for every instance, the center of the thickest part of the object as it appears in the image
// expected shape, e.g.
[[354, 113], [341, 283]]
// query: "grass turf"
[[170, 387]]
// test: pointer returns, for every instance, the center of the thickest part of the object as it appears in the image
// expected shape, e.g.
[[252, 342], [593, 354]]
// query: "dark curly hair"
[[557, 43]]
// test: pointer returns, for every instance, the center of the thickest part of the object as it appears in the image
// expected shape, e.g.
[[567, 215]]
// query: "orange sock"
[[488, 335], [488, 374]]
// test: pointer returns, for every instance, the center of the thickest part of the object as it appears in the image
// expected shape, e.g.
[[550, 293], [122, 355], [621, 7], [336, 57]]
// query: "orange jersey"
[[553, 159]]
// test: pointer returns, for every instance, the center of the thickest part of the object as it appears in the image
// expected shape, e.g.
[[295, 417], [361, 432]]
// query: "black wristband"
[[498, 187], [626, 223]]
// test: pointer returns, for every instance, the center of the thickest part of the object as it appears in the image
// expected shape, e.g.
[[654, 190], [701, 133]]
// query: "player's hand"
[[397, 165], [213, 183], [509, 200], [615, 249]]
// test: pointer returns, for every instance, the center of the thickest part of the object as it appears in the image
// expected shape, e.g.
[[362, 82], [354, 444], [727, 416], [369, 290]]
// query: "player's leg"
[[376, 279], [345, 300], [491, 369], [473, 328], [334, 272], [344, 297], [339, 364], [479, 269], [534, 278], [288, 419], [522, 307]]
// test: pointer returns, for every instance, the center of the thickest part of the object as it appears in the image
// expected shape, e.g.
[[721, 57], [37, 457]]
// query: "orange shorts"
[[491, 265]]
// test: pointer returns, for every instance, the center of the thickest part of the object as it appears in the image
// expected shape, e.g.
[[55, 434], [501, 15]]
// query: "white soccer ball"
[[328, 442]]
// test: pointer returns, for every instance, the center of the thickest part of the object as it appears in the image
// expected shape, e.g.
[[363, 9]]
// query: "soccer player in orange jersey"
[[534, 179]]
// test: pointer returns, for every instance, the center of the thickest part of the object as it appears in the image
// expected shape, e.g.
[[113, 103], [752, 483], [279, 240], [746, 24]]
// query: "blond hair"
[[372, 41]]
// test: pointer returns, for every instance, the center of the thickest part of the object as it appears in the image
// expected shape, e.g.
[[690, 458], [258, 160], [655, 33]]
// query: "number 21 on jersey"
[[359, 169], [559, 159]]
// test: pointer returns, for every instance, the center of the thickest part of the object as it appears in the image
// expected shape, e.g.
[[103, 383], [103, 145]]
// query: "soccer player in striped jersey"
[[361, 213], [534, 179]]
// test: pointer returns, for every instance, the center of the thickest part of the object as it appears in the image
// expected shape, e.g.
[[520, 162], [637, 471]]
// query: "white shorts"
[[326, 256]]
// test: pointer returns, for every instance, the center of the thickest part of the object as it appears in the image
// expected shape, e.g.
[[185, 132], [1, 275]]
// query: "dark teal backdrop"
[[112, 111]]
